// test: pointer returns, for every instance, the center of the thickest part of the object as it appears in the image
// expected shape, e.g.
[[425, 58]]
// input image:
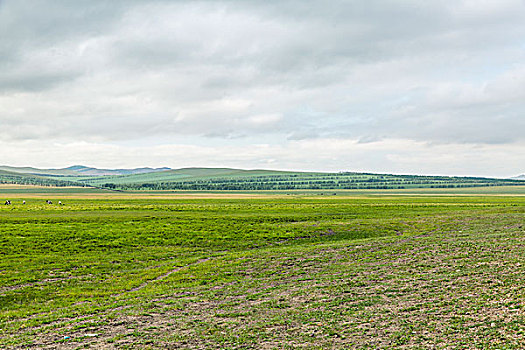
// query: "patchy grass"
[[270, 273]]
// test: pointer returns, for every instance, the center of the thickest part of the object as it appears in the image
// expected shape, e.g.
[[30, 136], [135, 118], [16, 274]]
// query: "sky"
[[432, 87]]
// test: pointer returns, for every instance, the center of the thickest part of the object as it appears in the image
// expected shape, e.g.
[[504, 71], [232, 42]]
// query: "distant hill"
[[9, 177], [83, 171], [184, 175], [225, 179], [36, 171], [519, 177], [80, 170]]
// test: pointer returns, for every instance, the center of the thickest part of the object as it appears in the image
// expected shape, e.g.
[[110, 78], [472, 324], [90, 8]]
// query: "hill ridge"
[[80, 170], [231, 179]]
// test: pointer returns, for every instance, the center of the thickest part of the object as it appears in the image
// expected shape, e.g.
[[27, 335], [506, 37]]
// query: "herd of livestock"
[[8, 202]]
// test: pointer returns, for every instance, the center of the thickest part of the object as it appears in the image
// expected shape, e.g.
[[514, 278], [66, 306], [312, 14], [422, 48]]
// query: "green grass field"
[[291, 270]]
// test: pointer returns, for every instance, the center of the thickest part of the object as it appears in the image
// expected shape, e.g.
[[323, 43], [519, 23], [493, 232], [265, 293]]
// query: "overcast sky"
[[422, 87]]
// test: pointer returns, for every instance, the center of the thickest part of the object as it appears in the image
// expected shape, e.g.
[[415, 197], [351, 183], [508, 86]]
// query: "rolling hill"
[[36, 171], [10, 177], [237, 179], [80, 170], [87, 171], [224, 179]]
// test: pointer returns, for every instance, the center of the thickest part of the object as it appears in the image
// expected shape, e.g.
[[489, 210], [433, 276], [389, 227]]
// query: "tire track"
[[163, 276]]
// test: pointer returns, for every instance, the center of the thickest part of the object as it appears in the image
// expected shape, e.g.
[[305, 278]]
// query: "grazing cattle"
[[49, 202], [7, 202], [59, 203], [23, 202]]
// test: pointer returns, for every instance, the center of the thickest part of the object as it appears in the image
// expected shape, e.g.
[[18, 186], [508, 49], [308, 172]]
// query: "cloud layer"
[[405, 86]]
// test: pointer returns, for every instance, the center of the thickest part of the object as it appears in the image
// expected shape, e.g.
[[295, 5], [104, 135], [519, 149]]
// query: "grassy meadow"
[[420, 269]]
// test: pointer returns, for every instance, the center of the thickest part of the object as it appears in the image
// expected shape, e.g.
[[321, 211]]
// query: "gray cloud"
[[439, 72]]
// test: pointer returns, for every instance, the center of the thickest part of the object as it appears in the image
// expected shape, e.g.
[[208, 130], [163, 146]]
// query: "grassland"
[[285, 270]]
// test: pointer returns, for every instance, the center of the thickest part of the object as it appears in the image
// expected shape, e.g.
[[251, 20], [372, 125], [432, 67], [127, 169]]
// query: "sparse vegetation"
[[263, 272]]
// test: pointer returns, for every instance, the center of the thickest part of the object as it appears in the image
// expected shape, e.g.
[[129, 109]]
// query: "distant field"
[[19, 191], [201, 271], [22, 190], [39, 187], [489, 190], [19, 187]]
